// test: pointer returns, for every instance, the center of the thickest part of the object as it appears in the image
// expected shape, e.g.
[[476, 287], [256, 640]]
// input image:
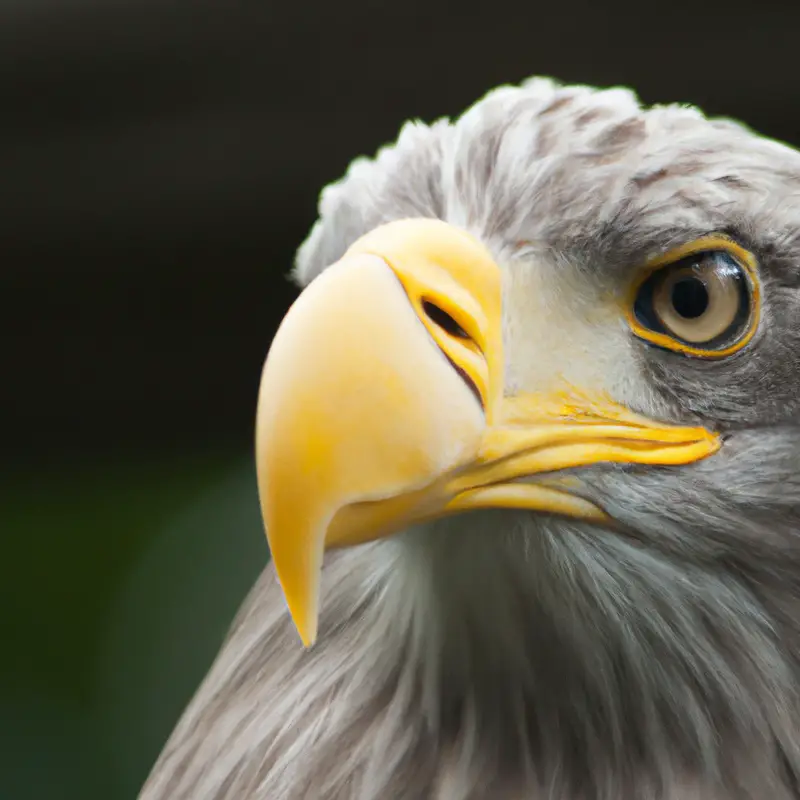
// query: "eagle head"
[[541, 393]]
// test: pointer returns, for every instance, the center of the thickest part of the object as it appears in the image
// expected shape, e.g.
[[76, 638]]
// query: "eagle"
[[528, 456]]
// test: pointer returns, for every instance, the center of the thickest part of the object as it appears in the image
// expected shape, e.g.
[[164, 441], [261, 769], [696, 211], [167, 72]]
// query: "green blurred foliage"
[[117, 583]]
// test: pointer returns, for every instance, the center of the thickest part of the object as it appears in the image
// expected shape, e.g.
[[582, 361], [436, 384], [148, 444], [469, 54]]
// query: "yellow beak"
[[381, 405]]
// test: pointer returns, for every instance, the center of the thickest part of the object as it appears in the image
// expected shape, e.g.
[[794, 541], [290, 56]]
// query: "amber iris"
[[701, 300]]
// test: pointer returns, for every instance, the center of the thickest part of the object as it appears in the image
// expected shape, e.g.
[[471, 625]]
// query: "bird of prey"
[[528, 448]]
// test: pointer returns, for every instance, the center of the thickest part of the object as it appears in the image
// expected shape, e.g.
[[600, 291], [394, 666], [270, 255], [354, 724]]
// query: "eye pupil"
[[690, 298]]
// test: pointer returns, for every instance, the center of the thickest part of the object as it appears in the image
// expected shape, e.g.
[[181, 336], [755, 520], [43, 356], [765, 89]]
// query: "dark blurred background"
[[159, 164]]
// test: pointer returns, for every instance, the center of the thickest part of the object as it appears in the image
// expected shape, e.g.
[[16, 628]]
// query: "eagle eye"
[[703, 303]]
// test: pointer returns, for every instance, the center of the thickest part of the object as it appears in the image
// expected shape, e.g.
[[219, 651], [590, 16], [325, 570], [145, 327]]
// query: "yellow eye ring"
[[721, 269]]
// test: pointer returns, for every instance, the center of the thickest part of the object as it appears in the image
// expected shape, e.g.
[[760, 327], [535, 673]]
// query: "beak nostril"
[[440, 317]]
